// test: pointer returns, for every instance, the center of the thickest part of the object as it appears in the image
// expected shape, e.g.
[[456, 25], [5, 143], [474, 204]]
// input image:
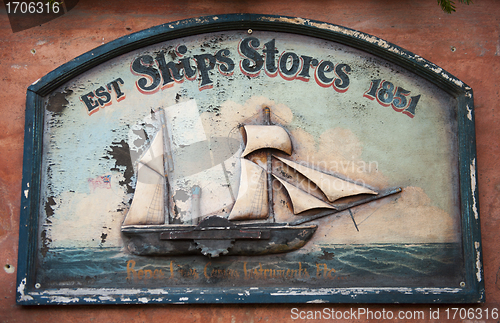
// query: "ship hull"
[[150, 240]]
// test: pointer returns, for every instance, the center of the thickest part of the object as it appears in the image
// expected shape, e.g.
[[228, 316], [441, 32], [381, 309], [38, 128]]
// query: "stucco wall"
[[418, 26]]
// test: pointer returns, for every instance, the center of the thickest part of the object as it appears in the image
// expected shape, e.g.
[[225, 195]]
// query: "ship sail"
[[252, 200], [199, 159], [148, 205], [302, 201], [334, 188], [253, 195], [266, 136]]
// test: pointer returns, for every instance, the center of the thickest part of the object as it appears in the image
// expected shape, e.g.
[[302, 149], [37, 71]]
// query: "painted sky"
[[341, 133]]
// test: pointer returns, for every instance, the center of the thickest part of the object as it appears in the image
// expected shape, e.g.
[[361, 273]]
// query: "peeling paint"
[[473, 188], [97, 292], [89, 300], [64, 300], [20, 290], [365, 291], [435, 69], [58, 102], [469, 113], [478, 261], [451, 79], [26, 193], [437, 291], [67, 296], [120, 152], [318, 301]]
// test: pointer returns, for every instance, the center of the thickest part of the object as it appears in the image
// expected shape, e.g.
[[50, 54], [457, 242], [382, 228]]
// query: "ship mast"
[[267, 121], [168, 164]]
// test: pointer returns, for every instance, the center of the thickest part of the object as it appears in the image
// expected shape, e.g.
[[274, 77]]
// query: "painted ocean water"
[[380, 265]]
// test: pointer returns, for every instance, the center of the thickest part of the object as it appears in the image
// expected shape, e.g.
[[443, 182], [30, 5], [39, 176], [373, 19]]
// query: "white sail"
[[252, 200], [266, 136], [197, 162], [302, 201], [334, 188], [148, 205]]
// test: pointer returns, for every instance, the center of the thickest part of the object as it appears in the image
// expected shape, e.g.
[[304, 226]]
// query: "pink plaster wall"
[[418, 26]]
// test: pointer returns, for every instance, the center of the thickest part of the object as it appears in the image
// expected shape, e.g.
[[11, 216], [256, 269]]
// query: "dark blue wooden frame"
[[29, 294]]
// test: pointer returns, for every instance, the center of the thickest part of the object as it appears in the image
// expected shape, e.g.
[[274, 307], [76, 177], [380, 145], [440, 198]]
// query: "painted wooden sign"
[[248, 158]]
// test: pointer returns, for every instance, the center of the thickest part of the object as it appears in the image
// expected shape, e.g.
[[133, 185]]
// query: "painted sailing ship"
[[250, 228]]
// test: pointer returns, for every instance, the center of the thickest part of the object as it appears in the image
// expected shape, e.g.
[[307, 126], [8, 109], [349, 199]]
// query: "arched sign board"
[[248, 159]]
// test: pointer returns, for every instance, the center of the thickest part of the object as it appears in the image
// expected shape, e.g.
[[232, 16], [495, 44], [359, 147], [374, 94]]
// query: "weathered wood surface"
[[466, 44]]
